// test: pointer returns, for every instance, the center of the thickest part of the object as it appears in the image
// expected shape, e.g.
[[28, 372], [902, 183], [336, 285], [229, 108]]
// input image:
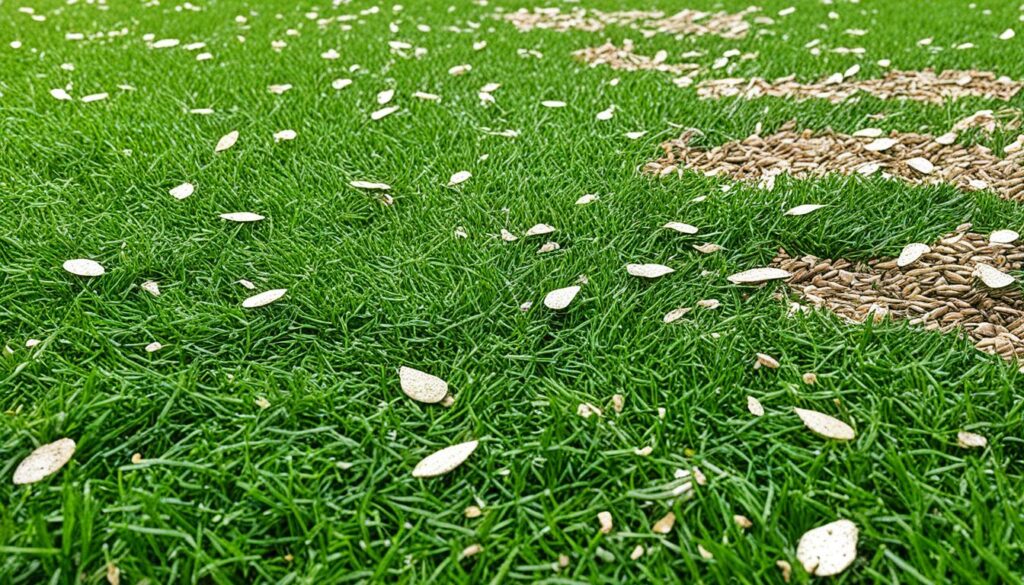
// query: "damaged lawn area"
[[500, 292]]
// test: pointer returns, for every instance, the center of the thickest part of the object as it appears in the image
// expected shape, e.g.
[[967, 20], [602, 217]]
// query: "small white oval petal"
[[444, 460]]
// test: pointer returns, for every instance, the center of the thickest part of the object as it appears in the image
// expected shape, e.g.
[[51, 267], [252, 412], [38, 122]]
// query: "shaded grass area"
[[316, 488]]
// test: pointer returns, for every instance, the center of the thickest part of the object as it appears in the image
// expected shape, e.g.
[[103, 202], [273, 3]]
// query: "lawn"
[[276, 445]]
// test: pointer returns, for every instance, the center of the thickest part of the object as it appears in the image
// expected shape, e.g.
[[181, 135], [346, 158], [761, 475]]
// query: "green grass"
[[317, 488]]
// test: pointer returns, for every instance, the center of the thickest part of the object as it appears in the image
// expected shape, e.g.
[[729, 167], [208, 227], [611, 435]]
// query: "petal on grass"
[[44, 461], [226, 141], [445, 460], [648, 270], [825, 426], [829, 549], [84, 267], [421, 386], [264, 298]]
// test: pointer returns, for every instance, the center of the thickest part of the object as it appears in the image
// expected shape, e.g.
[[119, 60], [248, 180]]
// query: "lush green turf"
[[317, 487]]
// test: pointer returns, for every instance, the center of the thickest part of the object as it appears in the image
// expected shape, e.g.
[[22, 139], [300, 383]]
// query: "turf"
[[317, 487]]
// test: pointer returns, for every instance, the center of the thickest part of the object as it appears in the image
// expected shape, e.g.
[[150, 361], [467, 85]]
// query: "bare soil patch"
[[923, 86], [941, 290], [913, 158], [685, 22], [625, 59]]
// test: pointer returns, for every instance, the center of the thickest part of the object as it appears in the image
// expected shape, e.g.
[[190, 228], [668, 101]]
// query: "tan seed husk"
[[604, 518], [665, 524], [540, 229], [968, 440], [785, 569]]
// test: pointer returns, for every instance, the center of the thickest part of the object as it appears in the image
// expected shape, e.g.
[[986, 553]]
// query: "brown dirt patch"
[[938, 291], [805, 154], [685, 22], [924, 86], [626, 59]]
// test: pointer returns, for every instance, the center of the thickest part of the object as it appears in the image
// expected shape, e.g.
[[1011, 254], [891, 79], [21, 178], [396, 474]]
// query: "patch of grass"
[[317, 487]]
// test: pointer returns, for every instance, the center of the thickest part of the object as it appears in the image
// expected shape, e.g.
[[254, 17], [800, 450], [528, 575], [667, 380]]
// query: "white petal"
[[60, 94], [285, 135], [459, 177], [683, 228], [921, 165], [383, 112], [552, 104], [421, 386], [911, 253], [264, 298], [371, 186], [803, 209], [754, 406], [559, 299], [826, 426], [648, 270], [881, 144], [868, 133], [539, 230], [444, 460], [993, 277], [1003, 237], [241, 216], [758, 275], [44, 461], [829, 549], [84, 267], [183, 190], [226, 141]]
